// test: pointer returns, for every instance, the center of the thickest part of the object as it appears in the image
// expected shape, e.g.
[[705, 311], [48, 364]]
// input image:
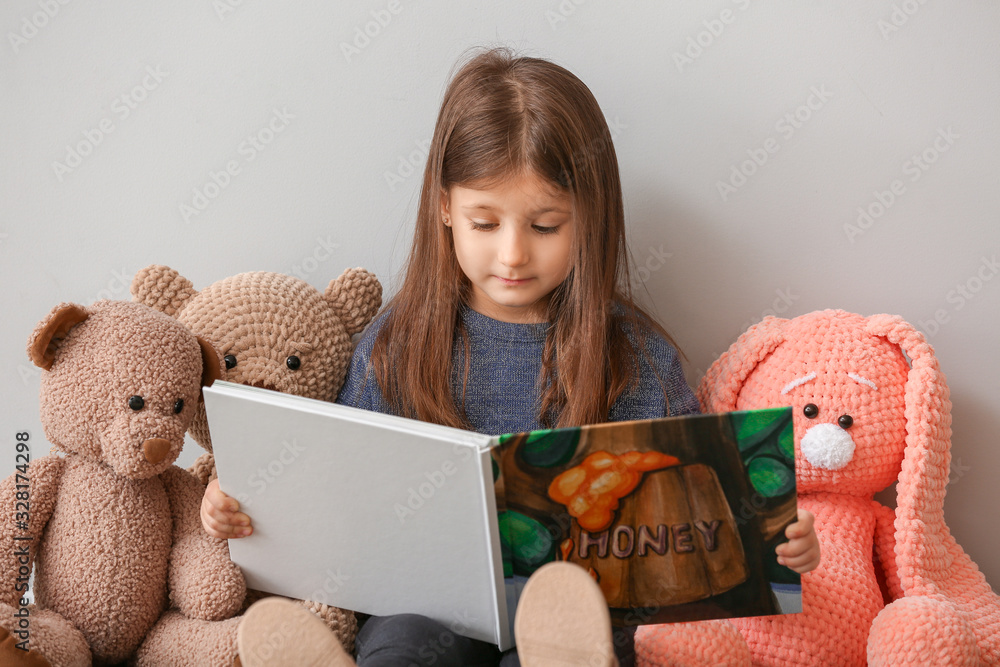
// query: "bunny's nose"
[[827, 446], [155, 449]]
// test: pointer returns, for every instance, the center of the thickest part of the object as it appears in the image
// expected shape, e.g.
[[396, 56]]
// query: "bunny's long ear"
[[162, 288], [924, 546], [719, 389]]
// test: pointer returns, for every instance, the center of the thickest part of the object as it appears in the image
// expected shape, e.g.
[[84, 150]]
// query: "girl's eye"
[[542, 229], [483, 226]]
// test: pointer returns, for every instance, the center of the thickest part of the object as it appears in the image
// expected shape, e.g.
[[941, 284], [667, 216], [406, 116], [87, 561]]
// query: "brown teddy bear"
[[111, 527], [274, 331]]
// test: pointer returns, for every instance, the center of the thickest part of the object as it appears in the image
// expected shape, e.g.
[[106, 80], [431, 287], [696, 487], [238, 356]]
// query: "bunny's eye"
[[845, 421], [136, 403], [293, 363], [810, 410], [178, 406], [230, 360]]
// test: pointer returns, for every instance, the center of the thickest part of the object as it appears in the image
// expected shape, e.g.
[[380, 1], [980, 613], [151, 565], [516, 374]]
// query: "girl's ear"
[[50, 332], [721, 385], [355, 296], [445, 213], [162, 288]]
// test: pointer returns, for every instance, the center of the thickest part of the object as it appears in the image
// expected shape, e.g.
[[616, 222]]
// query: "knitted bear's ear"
[[921, 534], [162, 288], [719, 389], [356, 296], [211, 367], [49, 333]]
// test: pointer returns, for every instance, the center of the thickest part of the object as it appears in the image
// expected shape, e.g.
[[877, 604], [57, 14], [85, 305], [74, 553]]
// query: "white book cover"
[[361, 510]]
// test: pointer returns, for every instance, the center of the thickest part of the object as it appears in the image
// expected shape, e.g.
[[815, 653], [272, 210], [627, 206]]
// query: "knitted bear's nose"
[[155, 449], [827, 446]]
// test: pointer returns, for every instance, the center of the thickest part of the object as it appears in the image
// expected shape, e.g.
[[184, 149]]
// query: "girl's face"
[[514, 244]]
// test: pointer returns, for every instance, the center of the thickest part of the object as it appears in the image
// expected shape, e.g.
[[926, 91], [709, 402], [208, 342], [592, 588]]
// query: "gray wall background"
[[776, 158]]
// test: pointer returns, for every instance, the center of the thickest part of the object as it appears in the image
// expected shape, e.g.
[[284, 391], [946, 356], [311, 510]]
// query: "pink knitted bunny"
[[863, 418]]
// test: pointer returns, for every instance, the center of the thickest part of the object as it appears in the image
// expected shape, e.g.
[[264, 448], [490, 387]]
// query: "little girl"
[[515, 312]]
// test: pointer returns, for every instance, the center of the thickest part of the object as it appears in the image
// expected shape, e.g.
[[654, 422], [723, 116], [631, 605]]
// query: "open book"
[[676, 518]]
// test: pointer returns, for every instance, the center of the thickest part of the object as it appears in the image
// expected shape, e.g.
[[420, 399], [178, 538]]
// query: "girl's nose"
[[513, 248]]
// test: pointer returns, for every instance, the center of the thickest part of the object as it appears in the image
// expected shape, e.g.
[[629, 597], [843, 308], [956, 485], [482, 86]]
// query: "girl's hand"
[[801, 552], [220, 516]]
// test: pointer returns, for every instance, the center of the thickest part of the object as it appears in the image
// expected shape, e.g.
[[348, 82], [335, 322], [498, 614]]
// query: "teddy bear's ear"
[[921, 533], [48, 333], [721, 385], [356, 296], [162, 288], [211, 367]]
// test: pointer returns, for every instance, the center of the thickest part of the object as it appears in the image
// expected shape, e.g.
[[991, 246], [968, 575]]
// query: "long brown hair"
[[502, 116]]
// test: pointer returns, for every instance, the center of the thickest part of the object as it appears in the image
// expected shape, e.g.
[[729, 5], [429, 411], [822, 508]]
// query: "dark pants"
[[411, 640]]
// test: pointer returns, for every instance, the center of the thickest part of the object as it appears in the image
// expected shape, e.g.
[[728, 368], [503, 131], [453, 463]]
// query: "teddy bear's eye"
[[136, 403], [293, 363], [178, 406], [810, 410], [845, 421], [230, 360]]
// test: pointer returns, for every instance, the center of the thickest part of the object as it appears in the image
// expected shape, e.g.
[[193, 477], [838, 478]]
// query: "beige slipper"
[[562, 620], [276, 632]]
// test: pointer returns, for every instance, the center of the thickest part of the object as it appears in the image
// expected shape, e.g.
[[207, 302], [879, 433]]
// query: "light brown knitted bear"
[[111, 527], [277, 332]]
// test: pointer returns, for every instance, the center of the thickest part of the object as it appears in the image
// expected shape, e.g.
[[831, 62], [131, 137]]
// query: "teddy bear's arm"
[[204, 582], [885, 545], [25, 515]]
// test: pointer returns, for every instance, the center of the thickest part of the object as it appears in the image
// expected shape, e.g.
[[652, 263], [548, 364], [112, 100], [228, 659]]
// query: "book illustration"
[[673, 518]]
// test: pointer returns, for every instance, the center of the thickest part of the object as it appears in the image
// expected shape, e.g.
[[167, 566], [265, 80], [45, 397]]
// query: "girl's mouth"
[[512, 282]]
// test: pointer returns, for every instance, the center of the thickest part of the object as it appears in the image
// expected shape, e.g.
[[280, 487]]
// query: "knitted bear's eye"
[[293, 363], [810, 410], [230, 360], [845, 421], [178, 406], [136, 403]]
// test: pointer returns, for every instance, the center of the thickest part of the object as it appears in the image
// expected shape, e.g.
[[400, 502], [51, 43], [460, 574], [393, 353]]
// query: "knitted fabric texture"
[[259, 322], [114, 526], [501, 393], [844, 365]]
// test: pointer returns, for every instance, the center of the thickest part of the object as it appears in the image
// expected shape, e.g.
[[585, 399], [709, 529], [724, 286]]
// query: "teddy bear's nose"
[[827, 446], [156, 449]]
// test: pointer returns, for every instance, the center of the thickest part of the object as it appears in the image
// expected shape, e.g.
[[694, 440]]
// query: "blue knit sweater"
[[502, 395]]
